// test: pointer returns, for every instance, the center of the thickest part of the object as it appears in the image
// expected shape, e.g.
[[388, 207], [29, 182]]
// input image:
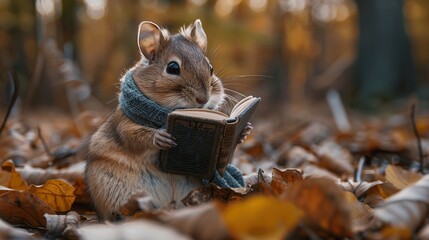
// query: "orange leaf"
[[260, 217], [10, 178], [58, 194], [283, 179], [21, 207], [324, 205], [81, 192]]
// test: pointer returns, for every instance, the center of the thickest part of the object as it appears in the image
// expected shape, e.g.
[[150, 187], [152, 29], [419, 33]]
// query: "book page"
[[240, 106], [201, 113]]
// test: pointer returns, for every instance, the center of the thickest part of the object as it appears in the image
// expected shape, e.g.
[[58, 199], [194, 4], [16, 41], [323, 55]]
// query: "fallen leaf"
[[199, 222], [407, 208], [10, 178], [281, 180], [63, 225], [211, 192], [39, 176], [361, 214], [141, 229], [359, 188], [22, 207], [311, 171], [57, 193], [261, 217], [334, 157], [314, 133], [401, 178], [9, 232], [374, 197], [81, 192], [296, 156], [424, 233], [323, 204], [391, 233]]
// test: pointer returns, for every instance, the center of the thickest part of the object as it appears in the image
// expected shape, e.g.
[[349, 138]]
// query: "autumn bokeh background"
[[70, 54]]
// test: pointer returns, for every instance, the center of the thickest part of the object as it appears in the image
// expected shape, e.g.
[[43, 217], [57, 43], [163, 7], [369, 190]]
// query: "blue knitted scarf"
[[143, 111]]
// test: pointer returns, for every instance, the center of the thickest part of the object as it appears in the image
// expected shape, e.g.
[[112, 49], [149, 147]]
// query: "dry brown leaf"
[[261, 217], [39, 176], [323, 204], [57, 193], [211, 192], [314, 133], [359, 188], [281, 180], [296, 156], [9, 232], [401, 178], [390, 233], [374, 197], [139, 200], [199, 222], [81, 192], [254, 148], [424, 233], [311, 171], [141, 229], [408, 208], [361, 214], [334, 157], [22, 207], [10, 178]]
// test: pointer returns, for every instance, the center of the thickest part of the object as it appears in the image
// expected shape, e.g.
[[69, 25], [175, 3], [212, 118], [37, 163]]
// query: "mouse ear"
[[198, 35], [149, 39]]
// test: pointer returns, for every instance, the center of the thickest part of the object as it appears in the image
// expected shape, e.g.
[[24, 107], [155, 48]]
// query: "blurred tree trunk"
[[279, 61], [384, 62]]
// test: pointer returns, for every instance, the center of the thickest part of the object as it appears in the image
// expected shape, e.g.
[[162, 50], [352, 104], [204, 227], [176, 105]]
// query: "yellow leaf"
[[58, 194], [10, 178], [261, 217]]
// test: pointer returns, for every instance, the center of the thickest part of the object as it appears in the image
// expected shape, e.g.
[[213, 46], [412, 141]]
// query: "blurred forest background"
[[70, 54]]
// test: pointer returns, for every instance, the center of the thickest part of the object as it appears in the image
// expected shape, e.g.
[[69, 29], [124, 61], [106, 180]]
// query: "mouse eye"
[[211, 70], [173, 68]]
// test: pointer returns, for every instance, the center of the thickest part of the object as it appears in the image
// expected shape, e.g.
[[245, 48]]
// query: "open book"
[[206, 139]]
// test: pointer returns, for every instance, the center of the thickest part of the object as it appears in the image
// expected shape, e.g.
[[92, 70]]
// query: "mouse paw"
[[163, 140], [246, 131]]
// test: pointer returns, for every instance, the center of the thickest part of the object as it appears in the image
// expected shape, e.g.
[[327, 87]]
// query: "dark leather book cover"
[[203, 145], [233, 129], [197, 147]]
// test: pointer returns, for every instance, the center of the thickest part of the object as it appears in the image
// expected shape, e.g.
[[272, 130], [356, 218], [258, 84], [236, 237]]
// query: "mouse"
[[122, 156]]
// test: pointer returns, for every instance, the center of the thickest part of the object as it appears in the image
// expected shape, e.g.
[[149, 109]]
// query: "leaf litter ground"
[[305, 179]]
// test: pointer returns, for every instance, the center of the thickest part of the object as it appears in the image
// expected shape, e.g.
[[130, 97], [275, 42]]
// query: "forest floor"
[[306, 179]]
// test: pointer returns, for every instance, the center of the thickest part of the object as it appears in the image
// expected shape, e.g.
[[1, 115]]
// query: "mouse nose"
[[202, 99]]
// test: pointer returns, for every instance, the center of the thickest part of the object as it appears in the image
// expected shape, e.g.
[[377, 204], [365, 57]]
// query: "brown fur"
[[122, 156]]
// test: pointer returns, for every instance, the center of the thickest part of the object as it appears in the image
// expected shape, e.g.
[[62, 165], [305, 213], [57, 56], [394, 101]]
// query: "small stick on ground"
[[14, 79], [45, 145], [416, 133]]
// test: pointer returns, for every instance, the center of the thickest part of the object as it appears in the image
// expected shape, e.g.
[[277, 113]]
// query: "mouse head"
[[174, 71]]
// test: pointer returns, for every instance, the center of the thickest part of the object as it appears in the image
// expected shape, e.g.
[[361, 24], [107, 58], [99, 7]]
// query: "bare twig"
[[358, 176], [416, 133], [14, 79], [45, 145]]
